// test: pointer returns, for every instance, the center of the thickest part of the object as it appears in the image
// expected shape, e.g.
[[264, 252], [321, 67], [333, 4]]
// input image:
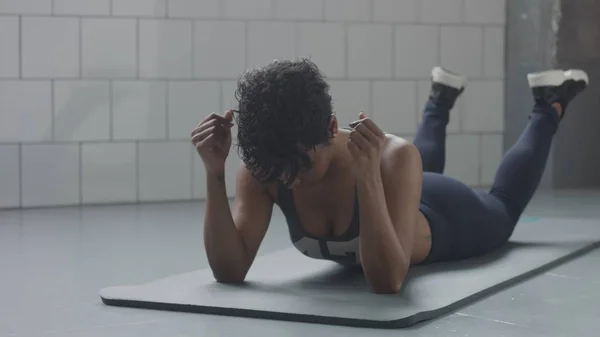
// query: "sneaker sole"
[[439, 75], [577, 75], [550, 78]]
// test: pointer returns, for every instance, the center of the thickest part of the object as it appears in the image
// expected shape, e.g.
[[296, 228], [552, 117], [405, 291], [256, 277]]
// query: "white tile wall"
[[98, 97], [139, 7], [219, 49], [441, 11], [484, 107], [165, 49], [50, 174], [348, 10], [349, 98], [9, 47], [493, 46], [50, 47], [462, 158], [302, 10], [395, 10], [492, 152], [10, 192], [165, 170], [24, 119], [268, 41], [139, 110], [416, 50], [81, 7], [109, 48], [370, 51], [248, 9], [194, 8], [81, 110], [324, 44], [189, 103], [469, 40], [26, 7], [394, 106], [485, 11], [108, 172]]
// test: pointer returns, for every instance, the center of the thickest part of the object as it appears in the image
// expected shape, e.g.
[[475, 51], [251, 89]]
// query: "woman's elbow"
[[388, 288]]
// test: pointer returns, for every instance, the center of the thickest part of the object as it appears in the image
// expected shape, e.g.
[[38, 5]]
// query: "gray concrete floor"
[[54, 262]]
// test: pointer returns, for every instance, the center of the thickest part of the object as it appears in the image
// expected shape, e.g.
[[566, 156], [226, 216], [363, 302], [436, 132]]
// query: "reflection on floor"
[[54, 261]]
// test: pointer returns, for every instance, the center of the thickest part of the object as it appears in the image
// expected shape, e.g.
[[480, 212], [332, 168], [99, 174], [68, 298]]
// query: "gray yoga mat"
[[288, 286]]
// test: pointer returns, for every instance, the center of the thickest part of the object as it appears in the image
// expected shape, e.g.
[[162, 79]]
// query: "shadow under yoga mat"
[[288, 286]]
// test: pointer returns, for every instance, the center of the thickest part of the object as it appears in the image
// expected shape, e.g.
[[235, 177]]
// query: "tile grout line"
[[193, 49], [192, 173], [346, 51], [52, 111], [236, 19], [110, 7], [167, 110]]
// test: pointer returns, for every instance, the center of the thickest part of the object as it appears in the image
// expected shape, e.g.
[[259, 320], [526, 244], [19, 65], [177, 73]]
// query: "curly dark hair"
[[284, 109]]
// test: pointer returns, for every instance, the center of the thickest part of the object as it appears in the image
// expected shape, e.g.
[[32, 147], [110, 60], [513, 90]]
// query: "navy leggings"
[[467, 222]]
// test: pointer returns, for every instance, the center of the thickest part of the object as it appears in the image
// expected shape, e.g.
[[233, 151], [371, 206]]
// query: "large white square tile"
[[395, 10], [219, 49], [165, 49], [139, 7], [194, 8], [485, 11], [108, 172], [441, 11], [25, 6], [494, 52], [416, 50], [109, 48], [394, 106], [462, 158], [189, 104], [50, 174], [82, 7], [462, 50], [81, 110], [231, 168], [484, 107], [50, 47], [323, 43], [268, 41], [139, 110], [370, 51], [248, 9], [26, 108], [492, 152], [9, 47], [424, 89], [348, 10], [165, 171], [349, 98], [10, 192], [301, 10]]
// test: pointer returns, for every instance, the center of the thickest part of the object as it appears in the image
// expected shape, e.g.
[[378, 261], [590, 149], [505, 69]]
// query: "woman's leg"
[[467, 223], [520, 172], [431, 133]]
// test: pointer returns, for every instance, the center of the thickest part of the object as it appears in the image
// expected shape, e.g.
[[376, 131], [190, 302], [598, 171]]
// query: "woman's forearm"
[[383, 259], [224, 246]]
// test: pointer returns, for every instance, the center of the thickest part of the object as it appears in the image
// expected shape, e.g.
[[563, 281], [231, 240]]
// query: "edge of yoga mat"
[[419, 316]]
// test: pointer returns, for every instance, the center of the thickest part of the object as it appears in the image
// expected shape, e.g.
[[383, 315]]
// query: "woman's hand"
[[365, 145]]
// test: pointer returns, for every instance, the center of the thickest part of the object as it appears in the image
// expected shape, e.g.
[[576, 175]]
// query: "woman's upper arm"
[[252, 210]]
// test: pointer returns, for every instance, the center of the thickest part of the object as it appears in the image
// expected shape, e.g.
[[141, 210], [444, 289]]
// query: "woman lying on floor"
[[356, 195]]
